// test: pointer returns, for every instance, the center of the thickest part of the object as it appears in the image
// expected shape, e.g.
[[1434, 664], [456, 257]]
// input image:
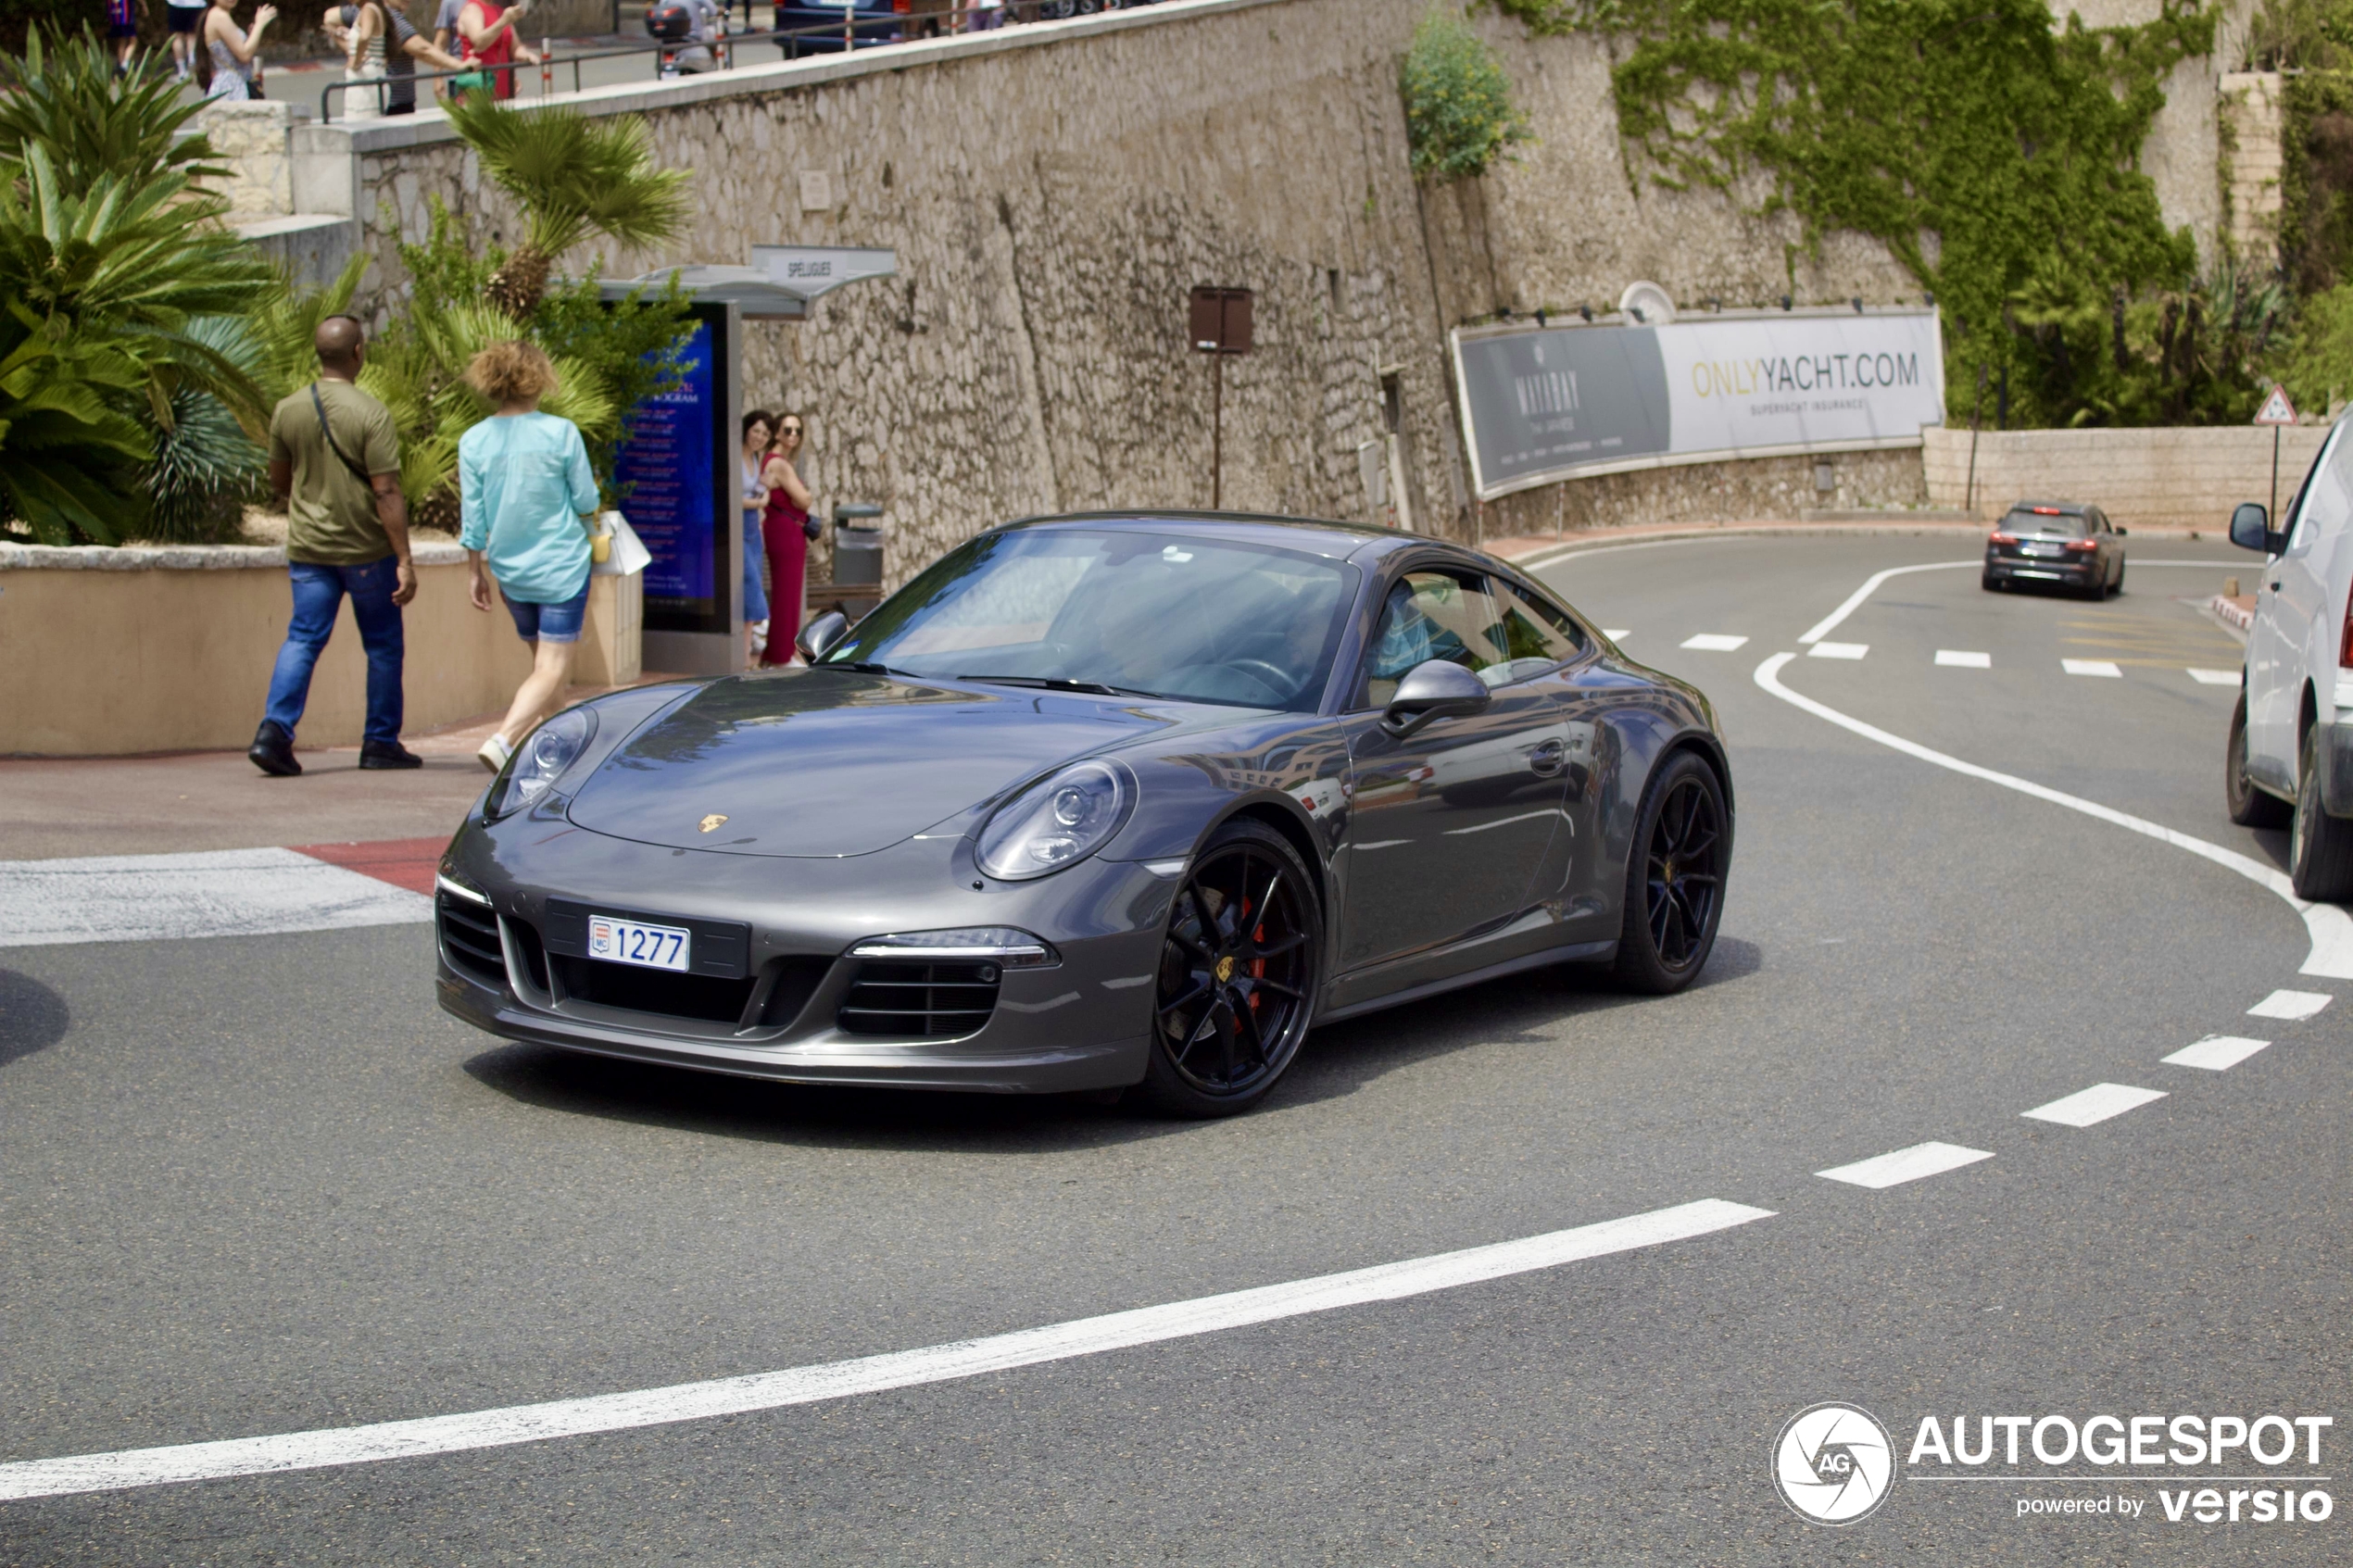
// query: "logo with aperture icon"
[[1834, 1463]]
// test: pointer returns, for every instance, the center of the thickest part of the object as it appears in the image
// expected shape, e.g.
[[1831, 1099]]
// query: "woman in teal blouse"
[[523, 484]]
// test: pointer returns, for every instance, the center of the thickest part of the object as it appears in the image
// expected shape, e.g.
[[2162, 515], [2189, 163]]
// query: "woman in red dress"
[[784, 527], [486, 37]]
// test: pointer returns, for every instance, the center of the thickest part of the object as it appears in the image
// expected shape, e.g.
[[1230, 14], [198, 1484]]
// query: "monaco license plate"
[[629, 941], [2038, 549]]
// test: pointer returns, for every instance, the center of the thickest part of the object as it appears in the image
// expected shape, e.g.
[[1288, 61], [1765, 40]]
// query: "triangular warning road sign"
[[2276, 410]]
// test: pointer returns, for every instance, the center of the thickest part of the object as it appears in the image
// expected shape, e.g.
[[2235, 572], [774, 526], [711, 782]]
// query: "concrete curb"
[[2232, 613], [180, 557]]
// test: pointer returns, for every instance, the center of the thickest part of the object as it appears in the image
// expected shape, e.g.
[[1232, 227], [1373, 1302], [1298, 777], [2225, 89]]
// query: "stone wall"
[[2175, 479], [1054, 190], [2254, 114], [1748, 490]]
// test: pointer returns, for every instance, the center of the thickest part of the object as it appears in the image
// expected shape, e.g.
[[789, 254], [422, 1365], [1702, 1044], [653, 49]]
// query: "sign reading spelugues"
[[1834, 1463]]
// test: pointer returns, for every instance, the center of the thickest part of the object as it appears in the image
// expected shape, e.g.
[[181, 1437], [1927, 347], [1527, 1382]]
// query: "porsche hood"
[[833, 762]]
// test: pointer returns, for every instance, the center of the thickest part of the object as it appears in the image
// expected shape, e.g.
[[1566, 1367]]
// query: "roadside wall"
[[2141, 478], [141, 649]]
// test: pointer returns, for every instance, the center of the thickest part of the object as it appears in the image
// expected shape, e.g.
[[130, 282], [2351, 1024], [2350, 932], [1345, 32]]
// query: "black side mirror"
[[819, 636], [1434, 690], [2251, 528], [2122, 530]]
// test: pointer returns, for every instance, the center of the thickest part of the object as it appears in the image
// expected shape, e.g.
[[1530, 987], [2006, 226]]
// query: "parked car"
[[2062, 543], [1108, 801], [2289, 759], [838, 24]]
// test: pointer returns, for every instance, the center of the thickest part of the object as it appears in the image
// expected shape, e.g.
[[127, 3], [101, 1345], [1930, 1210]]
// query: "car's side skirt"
[[1574, 952]]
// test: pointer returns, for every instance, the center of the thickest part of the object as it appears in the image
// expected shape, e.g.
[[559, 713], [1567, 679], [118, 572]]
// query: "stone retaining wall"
[[2141, 478]]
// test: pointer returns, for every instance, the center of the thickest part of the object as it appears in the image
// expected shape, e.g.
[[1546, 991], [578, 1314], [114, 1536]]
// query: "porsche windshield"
[[1121, 611]]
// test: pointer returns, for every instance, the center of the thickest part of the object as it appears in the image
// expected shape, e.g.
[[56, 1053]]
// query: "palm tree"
[[574, 178]]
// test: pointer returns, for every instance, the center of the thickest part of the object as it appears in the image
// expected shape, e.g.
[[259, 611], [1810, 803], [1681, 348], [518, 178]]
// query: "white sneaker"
[[759, 639], [495, 752]]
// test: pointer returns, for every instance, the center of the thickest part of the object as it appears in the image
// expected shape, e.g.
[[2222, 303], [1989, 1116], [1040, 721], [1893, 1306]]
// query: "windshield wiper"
[[1057, 683]]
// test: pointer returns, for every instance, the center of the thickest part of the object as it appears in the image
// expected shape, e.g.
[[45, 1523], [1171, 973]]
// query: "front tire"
[[1240, 970], [1674, 878], [1988, 582], [2249, 807], [2320, 850]]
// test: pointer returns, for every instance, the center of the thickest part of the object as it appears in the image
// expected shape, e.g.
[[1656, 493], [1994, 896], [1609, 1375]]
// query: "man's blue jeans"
[[318, 594]]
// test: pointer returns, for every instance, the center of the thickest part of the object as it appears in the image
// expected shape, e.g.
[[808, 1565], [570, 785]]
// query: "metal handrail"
[[855, 31]]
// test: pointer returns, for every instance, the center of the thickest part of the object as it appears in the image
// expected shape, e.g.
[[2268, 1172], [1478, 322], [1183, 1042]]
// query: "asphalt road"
[[260, 1185]]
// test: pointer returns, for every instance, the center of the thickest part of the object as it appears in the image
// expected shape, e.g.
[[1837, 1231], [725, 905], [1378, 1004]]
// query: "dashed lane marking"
[[213, 892], [1838, 650], [2216, 1053], [2329, 927], [836, 1380], [1616, 633], [1957, 659], [1907, 1164], [2290, 1004], [2098, 1103], [1715, 642], [2091, 666], [2215, 677]]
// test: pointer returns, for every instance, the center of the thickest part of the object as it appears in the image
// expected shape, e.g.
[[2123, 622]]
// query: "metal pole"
[[2276, 476], [1217, 432], [1976, 417]]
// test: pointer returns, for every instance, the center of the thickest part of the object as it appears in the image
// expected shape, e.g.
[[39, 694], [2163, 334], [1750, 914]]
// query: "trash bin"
[[857, 546]]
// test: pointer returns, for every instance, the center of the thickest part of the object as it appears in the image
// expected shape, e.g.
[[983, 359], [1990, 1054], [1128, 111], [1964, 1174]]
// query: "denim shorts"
[[549, 624]]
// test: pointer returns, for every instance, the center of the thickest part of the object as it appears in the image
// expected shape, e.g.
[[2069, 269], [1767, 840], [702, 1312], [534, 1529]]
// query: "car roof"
[[2064, 508], [1333, 541]]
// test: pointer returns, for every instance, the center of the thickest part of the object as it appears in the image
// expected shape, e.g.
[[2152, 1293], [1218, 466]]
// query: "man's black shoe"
[[272, 750], [388, 754]]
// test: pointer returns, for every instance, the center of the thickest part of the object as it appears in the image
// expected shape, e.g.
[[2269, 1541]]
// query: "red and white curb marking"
[[216, 893]]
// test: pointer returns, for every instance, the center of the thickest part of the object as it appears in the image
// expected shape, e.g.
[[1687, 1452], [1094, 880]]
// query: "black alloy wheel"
[[2249, 807], [1239, 972], [1675, 877], [2320, 847]]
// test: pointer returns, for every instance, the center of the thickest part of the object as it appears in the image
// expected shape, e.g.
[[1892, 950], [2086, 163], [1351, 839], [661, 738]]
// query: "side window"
[[1537, 635], [1435, 615]]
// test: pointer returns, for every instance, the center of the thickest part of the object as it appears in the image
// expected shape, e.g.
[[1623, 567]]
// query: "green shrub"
[[1459, 115], [2318, 363]]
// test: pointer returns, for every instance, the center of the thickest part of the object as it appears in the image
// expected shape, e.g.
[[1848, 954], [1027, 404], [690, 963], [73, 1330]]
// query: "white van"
[[2290, 757]]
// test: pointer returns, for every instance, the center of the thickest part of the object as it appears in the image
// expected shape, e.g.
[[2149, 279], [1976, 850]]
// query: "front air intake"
[[915, 1000]]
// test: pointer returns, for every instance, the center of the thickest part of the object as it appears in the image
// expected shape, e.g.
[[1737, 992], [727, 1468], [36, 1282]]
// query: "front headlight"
[[534, 768], [1058, 823]]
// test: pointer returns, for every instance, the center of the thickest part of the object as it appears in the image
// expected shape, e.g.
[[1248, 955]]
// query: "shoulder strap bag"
[[332, 445]]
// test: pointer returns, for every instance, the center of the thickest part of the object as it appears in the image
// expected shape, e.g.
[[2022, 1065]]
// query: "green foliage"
[[633, 347], [2316, 180], [66, 450], [1992, 150], [1553, 18], [2300, 35], [64, 96], [2187, 355], [1459, 115], [2317, 364]]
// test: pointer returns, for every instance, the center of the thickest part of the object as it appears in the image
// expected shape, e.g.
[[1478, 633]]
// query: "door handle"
[[2274, 587], [1546, 760]]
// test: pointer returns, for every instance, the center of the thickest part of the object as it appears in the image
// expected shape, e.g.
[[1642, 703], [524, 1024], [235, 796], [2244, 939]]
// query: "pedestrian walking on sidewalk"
[[759, 427], [788, 532], [233, 53], [122, 28], [335, 458], [523, 485], [184, 18]]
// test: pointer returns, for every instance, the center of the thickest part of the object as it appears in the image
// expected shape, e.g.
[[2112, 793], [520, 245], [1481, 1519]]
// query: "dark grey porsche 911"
[[1094, 802]]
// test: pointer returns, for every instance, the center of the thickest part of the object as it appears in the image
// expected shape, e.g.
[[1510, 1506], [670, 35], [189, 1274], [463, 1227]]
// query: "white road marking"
[[2098, 1103], [2090, 667], [1829, 623], [215, 893], [1713, 641], [836, 1380], [1907, 1164], [1616, 633], [2216, 1053], [2215, 677], [2329, 927], [1838, 650], [2291, 1004], [1957, 660]]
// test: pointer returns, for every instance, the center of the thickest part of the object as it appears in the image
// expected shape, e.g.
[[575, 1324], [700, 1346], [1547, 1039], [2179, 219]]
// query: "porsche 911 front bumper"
[[779, 994]]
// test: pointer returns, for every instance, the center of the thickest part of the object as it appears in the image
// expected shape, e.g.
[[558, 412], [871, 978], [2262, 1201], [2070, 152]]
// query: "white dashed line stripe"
[[868, 1374], [1907, 1164], [1956, 659], [2216, 1053], [2215, 677], [214, 892], [1715, 642], [1616, 633], [2330, 928], [2290, 1004], [2090, 667], [1838, 650], [2098, 1103]]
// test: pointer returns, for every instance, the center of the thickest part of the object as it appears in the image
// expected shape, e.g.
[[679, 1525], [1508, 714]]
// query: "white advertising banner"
[[1558, 402]]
